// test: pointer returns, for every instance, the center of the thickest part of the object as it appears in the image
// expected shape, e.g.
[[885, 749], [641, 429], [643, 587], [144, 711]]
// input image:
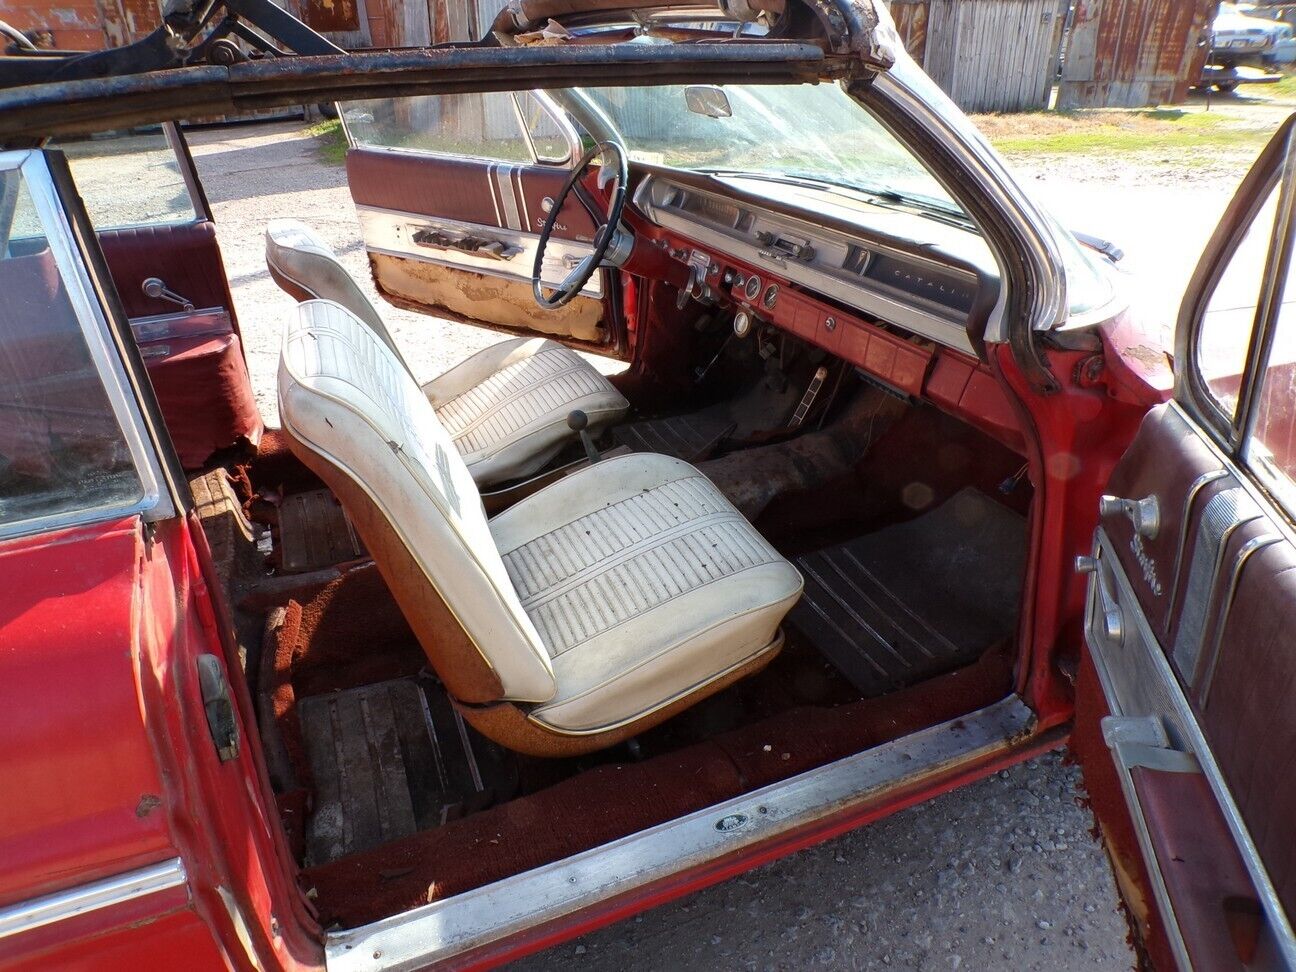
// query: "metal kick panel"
[[1222, 515], [399, 234]]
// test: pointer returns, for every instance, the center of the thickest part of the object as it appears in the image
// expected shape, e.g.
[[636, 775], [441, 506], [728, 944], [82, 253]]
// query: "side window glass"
[[483, 126], [62, 448], [1225, 331], [1270, 449], [146, 162], [550, 142]]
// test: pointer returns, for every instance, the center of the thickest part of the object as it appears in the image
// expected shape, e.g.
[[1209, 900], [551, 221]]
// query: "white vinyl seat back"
[[345, 395], [307, 268]]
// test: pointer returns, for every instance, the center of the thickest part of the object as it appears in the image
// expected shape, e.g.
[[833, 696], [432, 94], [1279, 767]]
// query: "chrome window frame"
[[154, 502]]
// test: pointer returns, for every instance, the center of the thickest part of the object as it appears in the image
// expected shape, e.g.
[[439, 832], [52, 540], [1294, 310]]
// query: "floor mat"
[[916, 599], [687, 437], [391, 759], [314, 532]]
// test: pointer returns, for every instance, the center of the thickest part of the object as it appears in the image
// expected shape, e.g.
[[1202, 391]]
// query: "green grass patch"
[[1170, 130], [330, 141], [1284, 90]]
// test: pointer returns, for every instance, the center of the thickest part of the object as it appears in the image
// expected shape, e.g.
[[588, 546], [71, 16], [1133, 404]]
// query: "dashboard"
[[842, 248], [833, 286]]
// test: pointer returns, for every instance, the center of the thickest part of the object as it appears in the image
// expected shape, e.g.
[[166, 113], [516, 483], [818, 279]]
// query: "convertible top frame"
[[188, 67]]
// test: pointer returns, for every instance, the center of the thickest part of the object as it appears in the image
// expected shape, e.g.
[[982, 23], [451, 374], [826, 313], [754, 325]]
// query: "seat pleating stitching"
[[557, 705], [514, 378], [616, 527], [330, 344], [540, 405], [612, 565], [568, 622]]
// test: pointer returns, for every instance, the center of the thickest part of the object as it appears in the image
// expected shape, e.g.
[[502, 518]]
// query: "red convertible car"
[[891, 493]]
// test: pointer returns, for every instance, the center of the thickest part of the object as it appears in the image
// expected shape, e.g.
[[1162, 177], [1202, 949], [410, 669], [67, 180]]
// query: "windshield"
[[815, 132]]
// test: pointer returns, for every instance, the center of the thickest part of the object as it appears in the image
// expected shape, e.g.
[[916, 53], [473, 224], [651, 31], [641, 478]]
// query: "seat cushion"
[[506, 407], [645, 585]]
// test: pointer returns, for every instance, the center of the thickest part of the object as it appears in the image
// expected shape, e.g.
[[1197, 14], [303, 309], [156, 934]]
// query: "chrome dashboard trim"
[[61, 905], [858, 295], [482, 917], [918, 97]]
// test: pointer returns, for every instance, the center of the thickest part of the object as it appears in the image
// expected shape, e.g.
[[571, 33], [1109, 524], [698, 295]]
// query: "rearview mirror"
[[707, 99]]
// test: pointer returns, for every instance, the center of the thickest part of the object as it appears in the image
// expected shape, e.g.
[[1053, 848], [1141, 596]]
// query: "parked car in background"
[[892, 493], [1239, 37]]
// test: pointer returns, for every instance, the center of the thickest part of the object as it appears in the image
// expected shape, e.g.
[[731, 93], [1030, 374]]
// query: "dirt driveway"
[[1000, 874]]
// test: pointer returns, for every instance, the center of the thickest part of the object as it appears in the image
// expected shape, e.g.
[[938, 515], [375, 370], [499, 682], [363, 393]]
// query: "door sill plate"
[[484, 916]]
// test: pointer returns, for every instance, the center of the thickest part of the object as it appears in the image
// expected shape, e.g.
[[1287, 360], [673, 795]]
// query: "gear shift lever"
[[578, 422]]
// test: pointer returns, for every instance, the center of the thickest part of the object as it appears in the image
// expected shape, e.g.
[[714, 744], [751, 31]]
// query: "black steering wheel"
[[613, 168]]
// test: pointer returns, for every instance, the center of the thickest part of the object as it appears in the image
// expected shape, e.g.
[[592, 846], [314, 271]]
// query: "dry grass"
[[1160, 130]]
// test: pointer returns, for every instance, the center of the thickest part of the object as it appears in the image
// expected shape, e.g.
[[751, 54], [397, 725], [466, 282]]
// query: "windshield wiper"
[[883, 198]]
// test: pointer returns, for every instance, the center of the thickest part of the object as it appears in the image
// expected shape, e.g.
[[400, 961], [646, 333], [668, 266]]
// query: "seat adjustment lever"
[[578, 422]]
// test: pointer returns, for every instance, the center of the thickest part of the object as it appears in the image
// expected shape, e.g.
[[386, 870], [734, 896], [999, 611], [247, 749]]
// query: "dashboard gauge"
[[771, 296], [742, 324], [752, 288]]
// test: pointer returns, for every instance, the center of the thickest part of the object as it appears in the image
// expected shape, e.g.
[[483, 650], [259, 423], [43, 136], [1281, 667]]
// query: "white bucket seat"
[[582, 614], [505, 407]]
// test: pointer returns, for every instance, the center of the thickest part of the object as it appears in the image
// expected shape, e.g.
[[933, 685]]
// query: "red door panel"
[[457, 237], [1191, 615], [465, 190], [197, 367], [185, 255]]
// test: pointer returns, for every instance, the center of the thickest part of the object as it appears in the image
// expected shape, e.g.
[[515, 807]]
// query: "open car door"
[[452, 192], [1191, 619]]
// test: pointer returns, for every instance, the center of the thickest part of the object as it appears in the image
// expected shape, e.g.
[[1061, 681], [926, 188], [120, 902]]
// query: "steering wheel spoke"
[[612, 170]]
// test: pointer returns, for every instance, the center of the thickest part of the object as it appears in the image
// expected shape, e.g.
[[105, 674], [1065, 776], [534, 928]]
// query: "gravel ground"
[[1003, 873]]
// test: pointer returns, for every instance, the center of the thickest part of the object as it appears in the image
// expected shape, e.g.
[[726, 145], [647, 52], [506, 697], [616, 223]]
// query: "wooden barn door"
[[994, 55], [1131, 53]]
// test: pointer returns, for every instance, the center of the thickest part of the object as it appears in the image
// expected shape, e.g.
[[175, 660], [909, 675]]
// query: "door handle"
[[1144, 513], [434, 239], [1113, 616]]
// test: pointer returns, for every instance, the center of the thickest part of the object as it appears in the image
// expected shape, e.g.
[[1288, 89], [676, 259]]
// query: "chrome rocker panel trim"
[[484, 916]]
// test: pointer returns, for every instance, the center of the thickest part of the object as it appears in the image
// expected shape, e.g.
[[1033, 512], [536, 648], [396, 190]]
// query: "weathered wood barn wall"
[[988, 55]]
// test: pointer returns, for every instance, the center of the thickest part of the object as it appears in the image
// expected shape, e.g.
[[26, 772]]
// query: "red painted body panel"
[[99, 692], [77, 747]]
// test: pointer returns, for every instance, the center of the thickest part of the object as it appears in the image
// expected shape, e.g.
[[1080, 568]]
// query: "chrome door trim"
[[1192, 739], [83, 899], [390, 232], [1190, 500], [479, 918], [1210, 658]]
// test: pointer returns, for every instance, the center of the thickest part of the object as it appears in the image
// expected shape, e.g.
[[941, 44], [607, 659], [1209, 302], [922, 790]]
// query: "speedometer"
[[752, 288]]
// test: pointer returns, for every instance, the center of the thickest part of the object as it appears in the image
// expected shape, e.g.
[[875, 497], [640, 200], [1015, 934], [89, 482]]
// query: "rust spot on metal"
[[331, 15], [147, 804]]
